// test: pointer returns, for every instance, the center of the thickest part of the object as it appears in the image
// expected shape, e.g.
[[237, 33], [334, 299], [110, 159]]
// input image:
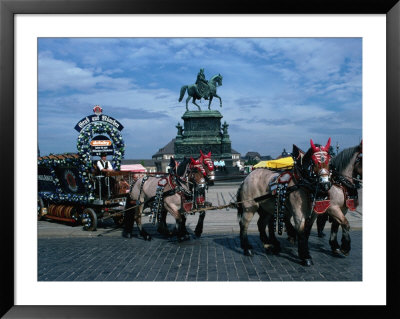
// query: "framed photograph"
[[29, 29]]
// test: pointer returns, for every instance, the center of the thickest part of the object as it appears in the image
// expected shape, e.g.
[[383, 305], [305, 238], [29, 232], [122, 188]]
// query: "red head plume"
[[201, 153], [314, 148], [194, 162], [328, 144]]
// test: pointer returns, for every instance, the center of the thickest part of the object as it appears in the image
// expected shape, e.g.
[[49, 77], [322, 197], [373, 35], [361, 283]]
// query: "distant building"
[[256, 157], [147, 163], [162, 157], [284, 154]]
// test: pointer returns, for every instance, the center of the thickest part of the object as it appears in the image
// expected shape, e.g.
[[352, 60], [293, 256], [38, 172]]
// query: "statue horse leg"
[[194, 102], [187, 101], [209, 102], [220, 100]]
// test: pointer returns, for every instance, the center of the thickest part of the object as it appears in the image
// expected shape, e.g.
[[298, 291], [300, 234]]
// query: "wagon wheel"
[[89, 219], [118, 220], [40, 206]]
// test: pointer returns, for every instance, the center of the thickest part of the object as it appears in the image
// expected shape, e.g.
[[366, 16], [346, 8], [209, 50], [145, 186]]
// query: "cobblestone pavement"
[[68, 253], [213, 257]]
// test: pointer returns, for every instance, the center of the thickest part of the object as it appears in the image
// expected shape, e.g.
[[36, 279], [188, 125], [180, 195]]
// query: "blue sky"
[[276, 91]]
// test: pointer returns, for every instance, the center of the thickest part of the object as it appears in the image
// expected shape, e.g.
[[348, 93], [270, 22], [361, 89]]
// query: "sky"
[[276, 92]]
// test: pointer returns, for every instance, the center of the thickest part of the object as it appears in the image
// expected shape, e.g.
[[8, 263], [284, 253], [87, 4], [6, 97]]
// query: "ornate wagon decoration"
[[69, 189]]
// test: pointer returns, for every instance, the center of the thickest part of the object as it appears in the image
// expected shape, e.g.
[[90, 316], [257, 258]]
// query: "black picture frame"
[[8, 10]]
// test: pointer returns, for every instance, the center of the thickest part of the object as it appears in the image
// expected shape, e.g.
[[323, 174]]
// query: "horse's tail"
[[239, 204], [183, 89]]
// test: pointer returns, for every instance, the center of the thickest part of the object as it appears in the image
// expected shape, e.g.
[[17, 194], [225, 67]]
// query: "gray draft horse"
[[346, 176], [215, 81], [144, 194], [315, 164]]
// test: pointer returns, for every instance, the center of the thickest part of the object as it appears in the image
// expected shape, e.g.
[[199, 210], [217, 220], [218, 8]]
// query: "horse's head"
[[208, 166], [217, 80], [320, 164], [196, 173], [357, 170]]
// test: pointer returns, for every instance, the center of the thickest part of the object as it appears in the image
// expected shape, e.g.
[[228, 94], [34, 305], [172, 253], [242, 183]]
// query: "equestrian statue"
[[202, 89]]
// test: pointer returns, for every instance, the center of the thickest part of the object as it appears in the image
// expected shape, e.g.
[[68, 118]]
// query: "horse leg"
[[142, 232], [333, 238], [162, 225], [303, 226], [180, 229], [272, 243], [187, 101], [194, 102], [220, 100], [129, 220], [345, 247], [199, 227], [209, 103], [321, 221], [291, 231], [244, 240]]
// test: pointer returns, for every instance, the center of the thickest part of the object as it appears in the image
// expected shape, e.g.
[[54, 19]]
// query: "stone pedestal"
[[202, 130]]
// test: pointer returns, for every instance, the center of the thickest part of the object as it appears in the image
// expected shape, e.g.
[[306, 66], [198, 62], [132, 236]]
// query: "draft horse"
[[346, 177], [162, 195], [297, 192], [197, 187]]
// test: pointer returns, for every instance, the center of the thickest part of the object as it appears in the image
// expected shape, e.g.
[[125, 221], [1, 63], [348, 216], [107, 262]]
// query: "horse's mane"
[[182, 167], [307, 157], [340, 161]]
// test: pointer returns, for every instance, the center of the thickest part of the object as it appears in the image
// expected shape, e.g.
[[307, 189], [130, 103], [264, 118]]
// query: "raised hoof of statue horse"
[[307, 262], [248, 252]]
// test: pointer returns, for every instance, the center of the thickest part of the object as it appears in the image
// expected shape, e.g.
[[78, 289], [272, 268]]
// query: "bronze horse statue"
[[209, 92], [295, 193], [161, 194]]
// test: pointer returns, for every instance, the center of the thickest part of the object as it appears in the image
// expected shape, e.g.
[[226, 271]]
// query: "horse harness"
[[156, 201], [349, 188], [280, 189]]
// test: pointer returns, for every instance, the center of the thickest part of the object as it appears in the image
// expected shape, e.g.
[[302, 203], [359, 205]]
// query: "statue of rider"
[[202, 85]]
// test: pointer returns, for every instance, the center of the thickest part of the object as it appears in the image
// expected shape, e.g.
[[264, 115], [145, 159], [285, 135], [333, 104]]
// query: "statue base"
[[202, 131]]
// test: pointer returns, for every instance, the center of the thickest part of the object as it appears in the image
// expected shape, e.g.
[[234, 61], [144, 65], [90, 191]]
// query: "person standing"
[[103, 164]]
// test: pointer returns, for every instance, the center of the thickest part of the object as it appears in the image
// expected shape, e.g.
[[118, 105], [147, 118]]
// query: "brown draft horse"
[[167, 194], [313, 175]]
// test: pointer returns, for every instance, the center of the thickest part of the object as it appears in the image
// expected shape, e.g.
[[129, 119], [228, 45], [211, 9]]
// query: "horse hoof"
[[126, 234], [336, 252], [345, 252], [248, 252], [197, 234], [147, 237], [307, 262]]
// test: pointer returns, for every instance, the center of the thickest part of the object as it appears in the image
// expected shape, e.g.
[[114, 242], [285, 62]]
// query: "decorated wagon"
[[70, 189]]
